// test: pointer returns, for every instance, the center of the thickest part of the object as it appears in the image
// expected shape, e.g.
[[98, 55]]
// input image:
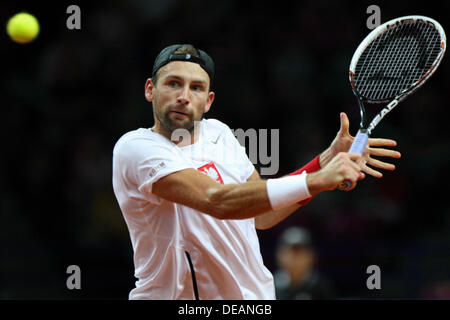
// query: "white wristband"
[[285, 191]]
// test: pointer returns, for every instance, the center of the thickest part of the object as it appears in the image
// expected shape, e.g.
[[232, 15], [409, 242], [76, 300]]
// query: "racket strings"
[[414, 47], [395, 60], [380, 63], [393, 50], [389, 62], [426, 58]]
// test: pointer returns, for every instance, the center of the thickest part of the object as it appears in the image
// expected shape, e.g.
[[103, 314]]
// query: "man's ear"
[[149, 86], [209, 102]]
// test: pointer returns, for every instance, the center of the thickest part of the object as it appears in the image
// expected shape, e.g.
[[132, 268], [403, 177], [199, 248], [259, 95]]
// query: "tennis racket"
[[391, 63]]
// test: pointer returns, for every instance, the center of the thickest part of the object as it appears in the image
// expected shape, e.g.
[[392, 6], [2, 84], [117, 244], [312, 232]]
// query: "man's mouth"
[[180, 113]]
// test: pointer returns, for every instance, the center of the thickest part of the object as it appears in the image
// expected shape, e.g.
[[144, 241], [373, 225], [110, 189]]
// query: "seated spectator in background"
[[297, 278]]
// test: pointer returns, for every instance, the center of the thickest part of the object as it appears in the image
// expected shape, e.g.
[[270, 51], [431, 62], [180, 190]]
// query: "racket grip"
[[360, 142], [358, 146]]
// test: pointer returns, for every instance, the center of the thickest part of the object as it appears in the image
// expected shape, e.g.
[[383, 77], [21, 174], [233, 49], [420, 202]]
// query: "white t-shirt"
[[225, 254]]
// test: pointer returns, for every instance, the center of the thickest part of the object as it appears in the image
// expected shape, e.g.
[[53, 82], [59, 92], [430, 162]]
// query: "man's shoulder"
[[216, 123], [135, 133], [216, 130], [136, 137], [217, 126]]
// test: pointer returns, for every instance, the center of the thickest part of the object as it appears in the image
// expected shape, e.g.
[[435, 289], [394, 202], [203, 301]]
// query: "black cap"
[[168, 54]]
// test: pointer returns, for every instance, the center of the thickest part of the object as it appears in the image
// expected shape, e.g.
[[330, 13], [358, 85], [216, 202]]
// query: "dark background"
[[67, 97]]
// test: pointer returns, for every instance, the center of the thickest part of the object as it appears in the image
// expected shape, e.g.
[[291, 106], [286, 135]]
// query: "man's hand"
[[343, 142], [344, 166]]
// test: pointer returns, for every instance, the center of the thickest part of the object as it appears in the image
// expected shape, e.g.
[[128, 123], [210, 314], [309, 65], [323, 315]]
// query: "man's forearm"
[[238, 201], [254, 198], [325, 157], [272, 218], [200, 192], [233, 201]]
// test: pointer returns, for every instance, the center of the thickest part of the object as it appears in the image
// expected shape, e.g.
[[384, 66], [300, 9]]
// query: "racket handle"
[[358, 146], [360, 142]]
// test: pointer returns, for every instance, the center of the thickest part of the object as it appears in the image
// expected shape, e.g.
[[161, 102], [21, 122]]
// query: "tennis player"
[[192, 204]]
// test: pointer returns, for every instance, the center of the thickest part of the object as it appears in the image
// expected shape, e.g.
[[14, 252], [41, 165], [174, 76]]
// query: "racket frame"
[[361, 139], [372, 36]]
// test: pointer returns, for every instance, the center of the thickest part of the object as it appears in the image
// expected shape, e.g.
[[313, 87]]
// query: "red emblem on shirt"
[[211, 171]]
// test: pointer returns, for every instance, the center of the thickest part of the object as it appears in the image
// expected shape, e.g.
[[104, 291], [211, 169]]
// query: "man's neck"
[[180, 137]]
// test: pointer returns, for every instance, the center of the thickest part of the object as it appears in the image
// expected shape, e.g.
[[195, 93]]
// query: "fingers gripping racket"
[[391, 63]]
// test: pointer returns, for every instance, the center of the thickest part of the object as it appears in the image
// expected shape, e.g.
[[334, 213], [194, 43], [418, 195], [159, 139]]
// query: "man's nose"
[[183, 97]]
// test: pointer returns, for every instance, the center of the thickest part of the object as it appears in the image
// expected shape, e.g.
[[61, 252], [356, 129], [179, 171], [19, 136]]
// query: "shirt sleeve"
[[248, 167], [143, 162]]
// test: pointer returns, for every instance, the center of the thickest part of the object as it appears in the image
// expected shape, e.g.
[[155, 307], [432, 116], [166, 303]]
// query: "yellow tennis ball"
[[23, 27]]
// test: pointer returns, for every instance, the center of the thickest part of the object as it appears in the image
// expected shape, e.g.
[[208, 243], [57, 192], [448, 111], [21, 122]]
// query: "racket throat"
[[363, 116], [381, 115]]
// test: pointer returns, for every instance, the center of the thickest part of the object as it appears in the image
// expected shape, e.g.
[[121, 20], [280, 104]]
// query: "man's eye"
[[173, 83], [197, 88]]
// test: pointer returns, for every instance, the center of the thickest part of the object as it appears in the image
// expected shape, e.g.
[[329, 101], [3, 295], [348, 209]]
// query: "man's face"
[[180, 96], [296, 259]]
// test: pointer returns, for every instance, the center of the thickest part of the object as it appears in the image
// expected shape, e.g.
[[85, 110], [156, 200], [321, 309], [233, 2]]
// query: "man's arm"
[[250, 199], [272, 217], [223, 201]]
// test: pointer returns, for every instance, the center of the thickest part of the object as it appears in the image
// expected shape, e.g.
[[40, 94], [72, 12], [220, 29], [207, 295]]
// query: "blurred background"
[[68, 96]]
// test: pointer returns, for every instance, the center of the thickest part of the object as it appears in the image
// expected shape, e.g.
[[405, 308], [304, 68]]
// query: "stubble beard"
[[171, 125]]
